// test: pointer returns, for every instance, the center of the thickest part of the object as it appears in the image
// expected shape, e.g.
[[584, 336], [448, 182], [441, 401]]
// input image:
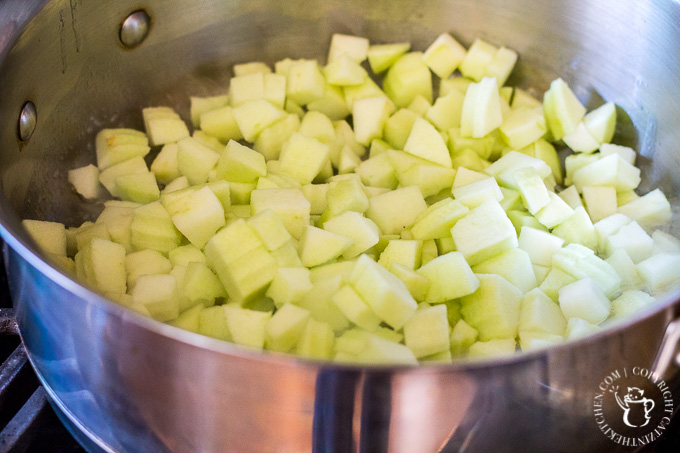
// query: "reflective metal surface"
[[136, 385]]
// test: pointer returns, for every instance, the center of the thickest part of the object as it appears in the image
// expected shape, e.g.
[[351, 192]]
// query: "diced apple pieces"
[[247, 327], [118, 145], [370, 115], [584, 299], [85, 180], [650, 210], [158, 293], [239, 163], [601, 123], [427, 331], [481, 109], [163, 125], [540, 314], [318, 246], [660, 271], [290, 205], [145, 262], [152, 228], [633, 239], [611, 171], [425, 142], [284, 328], [108, 177], [393, 221], [444, 55], [139, 188], [494, 308], [563, 111], [463, 335], [355, 309], [523, 127], [450, 278], [477, 59], [303, 158], [484, 232], [50, 237], [408, 77], [514, 265], [629, 302], [316, 341], [383, 292], [578, 328], [363, 232]]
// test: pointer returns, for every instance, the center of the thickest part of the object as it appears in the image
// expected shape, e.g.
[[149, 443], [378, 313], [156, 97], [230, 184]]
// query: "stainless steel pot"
[[132, 384]]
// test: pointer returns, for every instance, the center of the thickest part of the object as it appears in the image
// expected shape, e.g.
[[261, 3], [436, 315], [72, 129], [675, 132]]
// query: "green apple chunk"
[[271, 139], [344, 71], [601, 123], [303, 158], [202, 218], [164, 166], [408, 77], [562, 109], [660, 271], [540, 245], [118, 220], [484, 232], [195, 160], [416, 284], [103, 265], [481, 112], [239, 163], [221, 124], [85, 181], [425, 142], [355, 309], [577, 229], [387, 296], [247, 327], [392, 221], [463, 335], [50, 237], [405, 252], [316, 341], [633, 239], [86, 233], [450, 277], [132, 166], [382, 56], [514, 265], [283, 330], [477, 59], [305, 83], [494, 308], [118, 145], [379, 350], [629, 302], [290, 205], [212, 322], [343, 196], [532, 341], [446, 111], [163, 125], [501, 65], [523, 127], [145, 262], [444, 55], [189, 319], [318, 246], [152, 228], [255, 116], [319, 301], [476, 193], [354, 47], [158, 293], [430, 179], [555, 212], [581, 262], [650, 210], [231, 243], [201, 285], [200, 105], [370, 115], [437, 220], [363, 232], [492, 348], [270, 229], [580, 140], [427, 331], [538, 313], [611, 170], [139, 188], [577, 328], [584, 299]]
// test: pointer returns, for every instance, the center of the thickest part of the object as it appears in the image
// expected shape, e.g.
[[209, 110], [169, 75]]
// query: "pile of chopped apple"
[[316, 212]]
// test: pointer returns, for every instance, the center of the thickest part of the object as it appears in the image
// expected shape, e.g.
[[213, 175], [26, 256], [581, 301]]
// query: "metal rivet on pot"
[[28, 118], [135, 28]]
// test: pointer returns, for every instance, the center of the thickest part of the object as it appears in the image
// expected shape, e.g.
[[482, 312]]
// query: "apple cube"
[[425, 142], [355, 309], [239, 163], [270, 229], [344, 71], [484, 232], [665, 243], [408, 77], [118, 221], [50, 237], [477, 59], [577, 229], [253, 117], [563, 111], [302, 158], [450, 278], [492, 348], [476, 193], [145, 262], [392, 221], [108, 177], [382, 56], [601, 123], [152, 228], [501, 65], [283, 330], [379, 350], [462, 337], [318, 246], [221, 123], [481, 112], [305, 82], [158, 294], [247, 327], [212, 322], [430, 179], [650, 210], [416, 284], [319, 301], [523, 127], [532, 341], [660, 271], [316, 341], [629, 302], [118, 145], [577, 328], [202, 218], [85, 180], [200, 105], [201, 285], [370, 115], [584, 299], [272, 138], [139, 188], [538, 313], [405, 252], [186, 254], [514, 265], [494, 308], [444, 55], [427, 331], [163, 125], [633, 239], [555, 212], [611, 170], [290, 205], [363, 233], [625, 267], [387, 296]]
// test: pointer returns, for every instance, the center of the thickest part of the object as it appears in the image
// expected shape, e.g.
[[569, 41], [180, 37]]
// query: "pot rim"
[[29, 253]]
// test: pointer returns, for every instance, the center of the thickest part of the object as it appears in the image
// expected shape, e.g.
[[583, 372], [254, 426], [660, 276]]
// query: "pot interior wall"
[[70, 62]]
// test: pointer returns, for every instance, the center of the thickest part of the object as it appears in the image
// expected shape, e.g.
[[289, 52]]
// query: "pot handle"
[[667, 362]]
